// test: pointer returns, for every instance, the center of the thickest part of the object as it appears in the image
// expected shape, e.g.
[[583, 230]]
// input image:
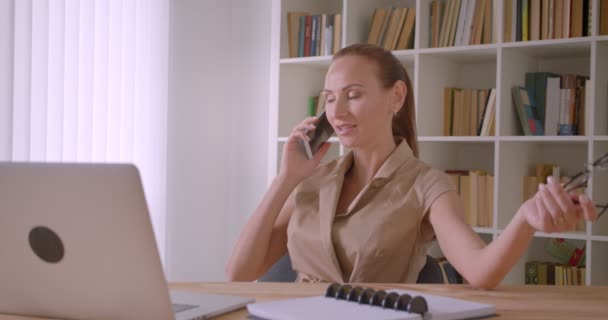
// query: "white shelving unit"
[[508, 155]]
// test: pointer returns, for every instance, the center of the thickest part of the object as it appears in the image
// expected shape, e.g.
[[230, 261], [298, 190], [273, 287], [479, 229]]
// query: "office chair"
[[431, 272], [282, 271]]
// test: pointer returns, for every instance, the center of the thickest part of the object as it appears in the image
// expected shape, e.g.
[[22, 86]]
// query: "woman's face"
[[357, 106]]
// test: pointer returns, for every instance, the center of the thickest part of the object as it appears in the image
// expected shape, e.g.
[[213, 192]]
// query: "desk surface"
[[512, 302]]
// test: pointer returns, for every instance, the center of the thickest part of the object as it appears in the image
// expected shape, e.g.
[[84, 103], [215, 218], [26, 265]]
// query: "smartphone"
[[320, 134]]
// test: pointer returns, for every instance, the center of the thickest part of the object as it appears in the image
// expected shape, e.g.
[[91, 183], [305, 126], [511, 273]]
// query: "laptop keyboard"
[[182, 307]]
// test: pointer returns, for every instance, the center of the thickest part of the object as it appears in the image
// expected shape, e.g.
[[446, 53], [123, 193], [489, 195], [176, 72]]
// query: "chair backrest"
[[282, 271], [431, 272]]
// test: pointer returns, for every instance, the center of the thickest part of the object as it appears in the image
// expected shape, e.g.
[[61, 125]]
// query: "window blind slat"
[[55, 92], [86, 36], [22, 66], [115, 74], [100, 82], [39, 80], [71, 84]]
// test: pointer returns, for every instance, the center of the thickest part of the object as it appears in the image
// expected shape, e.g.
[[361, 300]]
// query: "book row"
[[476, 189], [552, 104], [469, 112], [393, 28], [460, 22], [313, 34]]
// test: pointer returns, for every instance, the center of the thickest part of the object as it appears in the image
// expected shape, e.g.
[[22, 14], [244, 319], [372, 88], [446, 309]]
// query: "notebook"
[[356, 303]]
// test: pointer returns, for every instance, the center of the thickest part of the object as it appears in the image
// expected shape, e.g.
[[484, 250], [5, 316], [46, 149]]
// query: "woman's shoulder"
[[426, 175]]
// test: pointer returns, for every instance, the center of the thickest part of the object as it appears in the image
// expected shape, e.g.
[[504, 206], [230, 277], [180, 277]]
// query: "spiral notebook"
[[356, 303]]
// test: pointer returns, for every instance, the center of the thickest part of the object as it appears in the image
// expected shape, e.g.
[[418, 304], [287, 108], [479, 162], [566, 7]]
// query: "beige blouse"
[[385, 232]]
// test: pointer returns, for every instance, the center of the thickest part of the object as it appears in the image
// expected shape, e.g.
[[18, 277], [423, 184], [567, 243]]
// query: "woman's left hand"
[[552, 209]]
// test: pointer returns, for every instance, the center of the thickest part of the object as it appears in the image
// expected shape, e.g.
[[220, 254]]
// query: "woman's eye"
[[354, 96]]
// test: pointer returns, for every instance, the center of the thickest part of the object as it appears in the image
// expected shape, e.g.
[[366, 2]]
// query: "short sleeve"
[[434, 183]]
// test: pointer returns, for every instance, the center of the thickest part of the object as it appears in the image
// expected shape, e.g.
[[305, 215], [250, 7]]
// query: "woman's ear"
[[399, 94]]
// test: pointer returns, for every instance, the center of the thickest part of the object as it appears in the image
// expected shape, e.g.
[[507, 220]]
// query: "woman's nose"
[[340, 107]]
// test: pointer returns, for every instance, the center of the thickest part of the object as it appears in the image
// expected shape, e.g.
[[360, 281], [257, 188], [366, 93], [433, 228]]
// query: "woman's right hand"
[[295, 166]]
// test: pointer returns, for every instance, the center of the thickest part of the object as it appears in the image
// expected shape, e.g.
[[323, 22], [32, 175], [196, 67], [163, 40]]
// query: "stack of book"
[[313, 34], [469, 112], [546, 19], [476, 189], [552, 104], [460, 22], [393, 28], [559, 274], [567, 270]]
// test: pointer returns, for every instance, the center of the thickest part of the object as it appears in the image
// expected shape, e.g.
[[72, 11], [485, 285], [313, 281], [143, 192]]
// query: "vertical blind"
[[89, 84]]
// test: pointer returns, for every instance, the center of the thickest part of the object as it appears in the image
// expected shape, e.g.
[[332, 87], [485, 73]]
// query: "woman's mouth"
[[345, 129]]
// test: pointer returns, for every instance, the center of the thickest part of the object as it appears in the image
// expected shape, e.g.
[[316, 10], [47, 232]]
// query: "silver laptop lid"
[[76, 242]]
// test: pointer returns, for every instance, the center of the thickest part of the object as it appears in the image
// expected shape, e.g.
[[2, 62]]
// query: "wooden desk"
[[512, 302]]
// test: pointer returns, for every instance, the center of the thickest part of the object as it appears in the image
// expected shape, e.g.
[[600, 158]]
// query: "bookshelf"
[[508, 155]]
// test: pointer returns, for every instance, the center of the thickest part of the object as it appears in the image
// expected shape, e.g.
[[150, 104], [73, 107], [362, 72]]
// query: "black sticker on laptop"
[[46, 244]]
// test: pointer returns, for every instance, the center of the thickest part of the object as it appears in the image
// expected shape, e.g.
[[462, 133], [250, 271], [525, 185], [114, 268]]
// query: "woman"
[[371, 215]]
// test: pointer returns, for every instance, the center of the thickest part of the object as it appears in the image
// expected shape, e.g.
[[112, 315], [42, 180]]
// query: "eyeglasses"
[[581, 179]]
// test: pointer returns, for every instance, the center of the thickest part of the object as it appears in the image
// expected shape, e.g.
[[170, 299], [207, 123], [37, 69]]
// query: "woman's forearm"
[[498, 258], [253, 244]]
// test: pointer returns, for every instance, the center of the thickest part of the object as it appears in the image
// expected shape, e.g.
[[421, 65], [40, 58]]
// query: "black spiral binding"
[[379, 298]]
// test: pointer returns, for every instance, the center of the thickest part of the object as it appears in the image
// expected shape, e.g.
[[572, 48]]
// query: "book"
[[406, 38], [337, 32], [293, 25], [603, 17], [532, 272], [312, 105], [527, 112], [354, 303], [376, 27], [552, 107], [489, 114]]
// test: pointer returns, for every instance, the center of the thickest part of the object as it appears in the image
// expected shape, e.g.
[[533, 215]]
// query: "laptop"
[[76, 242]]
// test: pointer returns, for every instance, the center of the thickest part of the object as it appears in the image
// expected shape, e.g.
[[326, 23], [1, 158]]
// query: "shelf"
[[322, 61], [571, 235], [456, 139], [556, 139], [555, 48], [508, 156], [407, 57], [599, 238], [464, 54], [483, 230]]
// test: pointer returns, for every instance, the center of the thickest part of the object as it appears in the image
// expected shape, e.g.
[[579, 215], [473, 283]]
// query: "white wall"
[[217, 130], [6, 76]]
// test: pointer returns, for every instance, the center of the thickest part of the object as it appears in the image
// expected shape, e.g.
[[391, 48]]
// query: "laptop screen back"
[[77, 242]]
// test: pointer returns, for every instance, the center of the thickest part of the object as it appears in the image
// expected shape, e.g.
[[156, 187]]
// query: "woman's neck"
[[367, 161]]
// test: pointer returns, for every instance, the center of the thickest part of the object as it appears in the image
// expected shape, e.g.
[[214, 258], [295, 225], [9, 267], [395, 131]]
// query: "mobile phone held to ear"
[[320, 134]]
